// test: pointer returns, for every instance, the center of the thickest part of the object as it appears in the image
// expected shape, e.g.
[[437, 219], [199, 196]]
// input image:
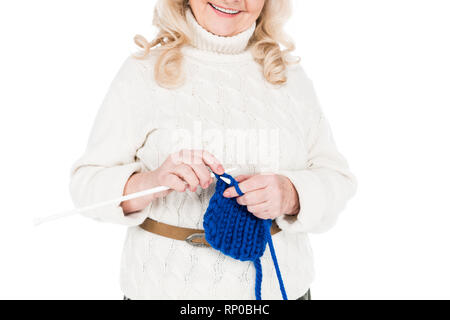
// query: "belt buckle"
[[190, 239]]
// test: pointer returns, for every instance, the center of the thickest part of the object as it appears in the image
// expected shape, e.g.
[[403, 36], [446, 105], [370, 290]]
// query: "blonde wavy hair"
[[169, 17]]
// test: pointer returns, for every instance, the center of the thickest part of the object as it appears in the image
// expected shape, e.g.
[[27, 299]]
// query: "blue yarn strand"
[[258, 278], [275, 263]]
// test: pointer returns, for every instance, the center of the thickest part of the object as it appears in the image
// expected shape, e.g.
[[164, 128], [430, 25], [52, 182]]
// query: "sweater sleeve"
[[101, 173], [326, 184]]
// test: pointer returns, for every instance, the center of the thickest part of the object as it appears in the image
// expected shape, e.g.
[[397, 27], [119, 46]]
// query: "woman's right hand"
[[181, 170], [187, 168]]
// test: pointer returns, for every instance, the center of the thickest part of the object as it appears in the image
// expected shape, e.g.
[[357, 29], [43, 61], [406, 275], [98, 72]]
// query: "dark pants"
[[306, 296]]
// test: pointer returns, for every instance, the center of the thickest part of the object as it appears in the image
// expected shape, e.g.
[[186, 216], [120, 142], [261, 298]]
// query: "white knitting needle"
[[39, 221]]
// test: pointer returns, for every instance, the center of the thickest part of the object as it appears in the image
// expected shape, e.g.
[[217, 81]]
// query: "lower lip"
[[222, 14]]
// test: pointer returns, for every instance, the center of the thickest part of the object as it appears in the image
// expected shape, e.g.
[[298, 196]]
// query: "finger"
[[194, 160], [211, 161], [174, 182], [203, 174], [185, 172], [260, 210], [253, 183], [192, 157], [253, 198]]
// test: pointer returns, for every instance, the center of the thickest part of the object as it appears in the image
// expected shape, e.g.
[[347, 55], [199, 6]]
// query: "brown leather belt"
[[195, 237]]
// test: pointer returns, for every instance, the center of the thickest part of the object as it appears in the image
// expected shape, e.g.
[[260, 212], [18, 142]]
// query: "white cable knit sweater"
[[224, 89]]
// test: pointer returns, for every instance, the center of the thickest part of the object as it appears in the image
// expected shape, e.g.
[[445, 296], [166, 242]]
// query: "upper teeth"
[[225, 10]]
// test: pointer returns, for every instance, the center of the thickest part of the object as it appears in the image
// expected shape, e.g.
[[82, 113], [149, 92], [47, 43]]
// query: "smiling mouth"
[[230, 12]]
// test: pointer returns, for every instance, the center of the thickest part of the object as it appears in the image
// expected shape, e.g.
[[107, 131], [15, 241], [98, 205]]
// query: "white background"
[[381, 70]]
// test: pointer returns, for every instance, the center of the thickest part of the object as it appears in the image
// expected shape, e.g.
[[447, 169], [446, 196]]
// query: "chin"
[[222, 33], [220, 29]]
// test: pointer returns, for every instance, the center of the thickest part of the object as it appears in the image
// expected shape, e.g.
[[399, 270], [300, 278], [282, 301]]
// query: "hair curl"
[[169, 18]]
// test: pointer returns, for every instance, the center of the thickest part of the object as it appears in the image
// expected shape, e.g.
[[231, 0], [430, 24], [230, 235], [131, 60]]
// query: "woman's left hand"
[[267, 196]]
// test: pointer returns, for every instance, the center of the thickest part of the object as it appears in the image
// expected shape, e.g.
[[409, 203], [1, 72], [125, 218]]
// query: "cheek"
[[254, 7], [199, 8], [197, 3]]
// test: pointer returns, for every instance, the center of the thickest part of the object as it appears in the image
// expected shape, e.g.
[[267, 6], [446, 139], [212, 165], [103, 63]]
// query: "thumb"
[[242, 177]]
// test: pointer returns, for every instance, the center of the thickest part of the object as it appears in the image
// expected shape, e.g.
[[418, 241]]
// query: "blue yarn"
[[233, 230], [258, 278]]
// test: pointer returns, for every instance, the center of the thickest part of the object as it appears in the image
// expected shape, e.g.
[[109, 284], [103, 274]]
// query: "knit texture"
[[232, 229], [134, 132]]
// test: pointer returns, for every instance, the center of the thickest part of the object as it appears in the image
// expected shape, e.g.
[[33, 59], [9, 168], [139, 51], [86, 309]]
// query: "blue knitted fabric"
[[233, 230]]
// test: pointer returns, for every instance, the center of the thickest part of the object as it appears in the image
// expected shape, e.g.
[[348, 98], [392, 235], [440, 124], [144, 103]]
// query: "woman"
[[214, 84]]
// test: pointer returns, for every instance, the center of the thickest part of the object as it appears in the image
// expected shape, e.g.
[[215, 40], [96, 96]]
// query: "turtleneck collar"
[[204, 40]]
